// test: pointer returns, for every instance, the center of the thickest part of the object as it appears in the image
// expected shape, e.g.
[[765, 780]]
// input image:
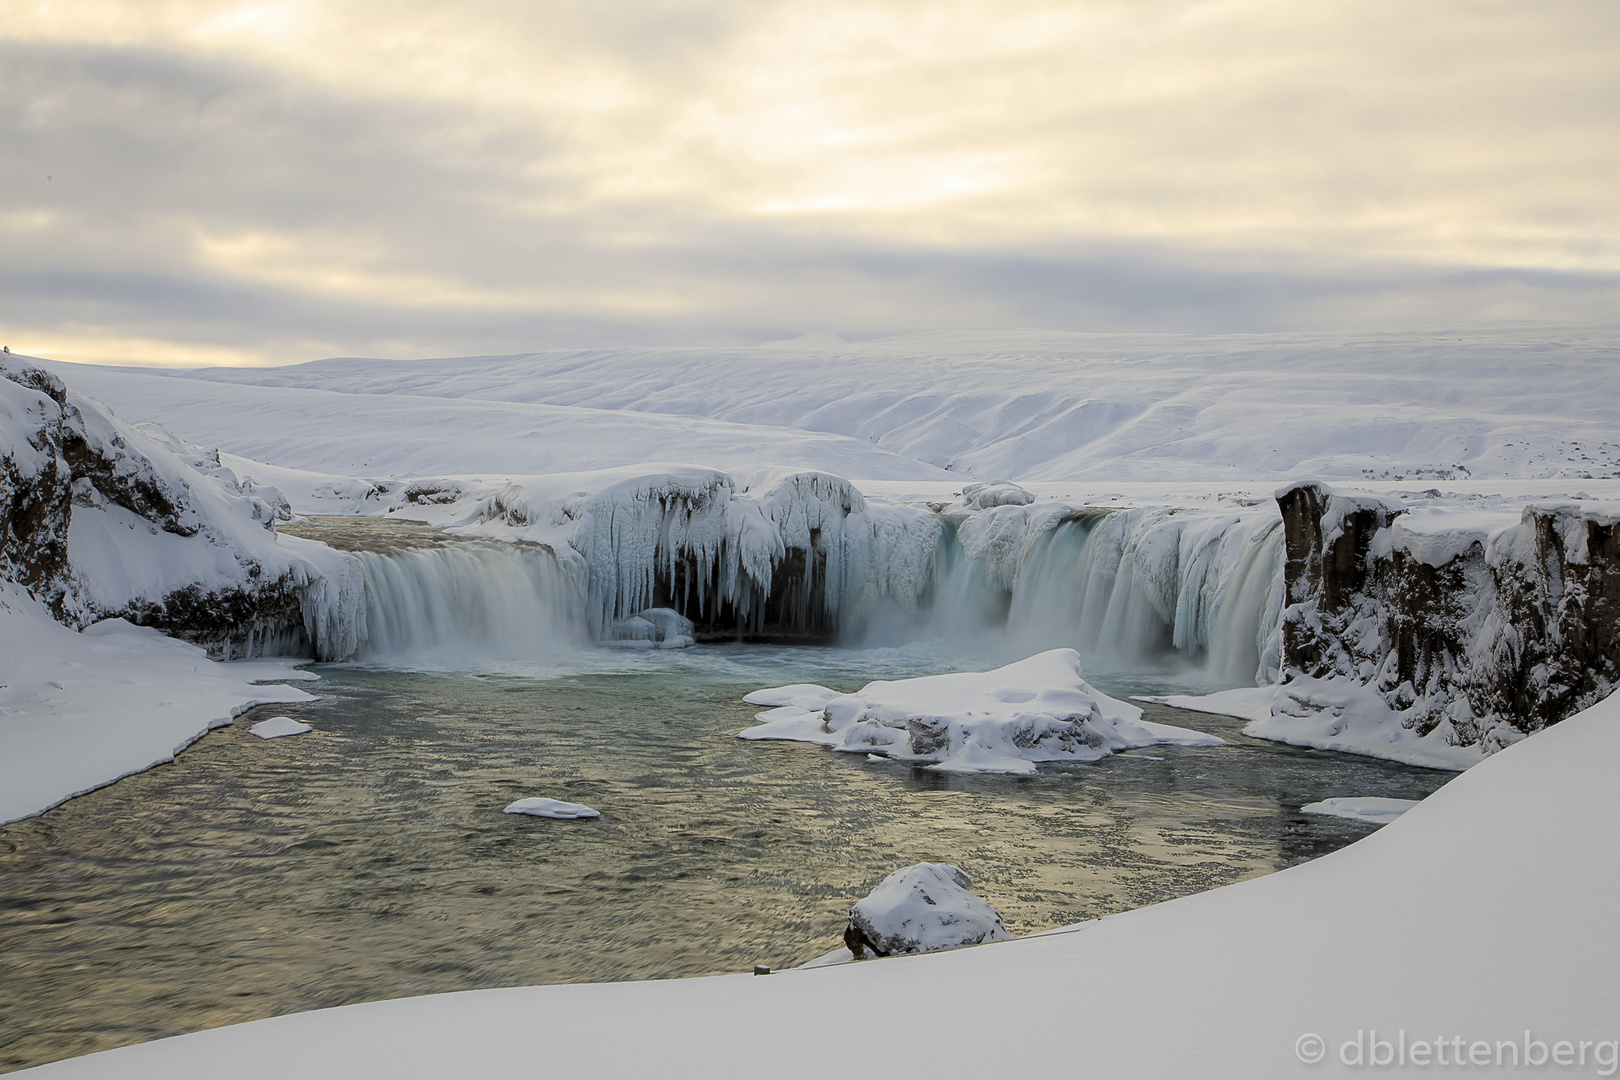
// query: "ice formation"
[[921, 908], [1006, 720], [279, 727], [551, 808], [1369, 810]]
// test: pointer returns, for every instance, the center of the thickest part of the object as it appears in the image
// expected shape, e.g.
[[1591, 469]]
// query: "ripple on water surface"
[[370, 858]]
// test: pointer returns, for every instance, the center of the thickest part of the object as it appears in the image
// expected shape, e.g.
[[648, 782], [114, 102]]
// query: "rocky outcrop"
[[1475, 637], [921, 908], [101, 519]]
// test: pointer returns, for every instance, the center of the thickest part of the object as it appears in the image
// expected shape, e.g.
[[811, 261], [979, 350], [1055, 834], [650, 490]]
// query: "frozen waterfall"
[[806, 557]]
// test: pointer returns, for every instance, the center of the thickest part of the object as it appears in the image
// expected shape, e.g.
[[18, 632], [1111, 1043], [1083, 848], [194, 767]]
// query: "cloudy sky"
[[200, 182]]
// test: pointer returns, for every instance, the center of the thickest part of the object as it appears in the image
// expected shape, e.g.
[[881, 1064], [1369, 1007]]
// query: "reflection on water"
[[371, 858]]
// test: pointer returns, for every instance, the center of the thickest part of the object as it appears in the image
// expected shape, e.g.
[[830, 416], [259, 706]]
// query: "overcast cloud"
[[211, 182]]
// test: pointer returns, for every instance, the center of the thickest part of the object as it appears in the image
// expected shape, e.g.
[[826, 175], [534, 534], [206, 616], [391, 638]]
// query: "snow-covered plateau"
[[1403, 546]]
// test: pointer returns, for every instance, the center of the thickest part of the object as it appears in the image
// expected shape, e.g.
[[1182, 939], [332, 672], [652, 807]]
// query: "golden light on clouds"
[[599, 160]]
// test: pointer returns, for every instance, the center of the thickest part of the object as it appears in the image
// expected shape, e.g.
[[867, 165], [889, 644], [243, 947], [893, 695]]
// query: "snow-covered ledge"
[[1482, 914]]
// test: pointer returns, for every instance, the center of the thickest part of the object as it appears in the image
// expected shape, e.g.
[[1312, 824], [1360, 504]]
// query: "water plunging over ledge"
[[1127, 588]]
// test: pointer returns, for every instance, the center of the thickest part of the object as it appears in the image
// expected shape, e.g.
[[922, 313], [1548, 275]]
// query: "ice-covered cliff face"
[[776, 554], [785, 555], [1445, 638], [99, 518]]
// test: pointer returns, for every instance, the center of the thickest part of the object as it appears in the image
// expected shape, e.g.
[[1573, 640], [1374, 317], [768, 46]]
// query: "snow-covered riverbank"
[[81, 710]]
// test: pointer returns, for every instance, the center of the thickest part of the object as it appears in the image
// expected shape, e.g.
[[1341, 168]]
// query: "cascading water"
[[1128, 588], [470, 600]]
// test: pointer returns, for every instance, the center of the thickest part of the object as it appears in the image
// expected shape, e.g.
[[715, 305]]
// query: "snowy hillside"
[[1028, 406]]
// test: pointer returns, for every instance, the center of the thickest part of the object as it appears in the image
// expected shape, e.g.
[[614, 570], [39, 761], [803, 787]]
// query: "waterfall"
[[1134, 587], [807, 557], [470, 600]]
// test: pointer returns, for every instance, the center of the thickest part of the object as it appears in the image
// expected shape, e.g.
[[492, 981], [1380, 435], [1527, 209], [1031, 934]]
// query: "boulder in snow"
[[920, 909]]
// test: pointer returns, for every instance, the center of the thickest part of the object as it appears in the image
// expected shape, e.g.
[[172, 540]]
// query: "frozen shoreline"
[[79, 711]]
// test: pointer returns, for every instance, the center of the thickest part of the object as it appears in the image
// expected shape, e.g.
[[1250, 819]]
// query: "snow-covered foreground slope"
[[1016, 404], [1483, 915], [80, 710]]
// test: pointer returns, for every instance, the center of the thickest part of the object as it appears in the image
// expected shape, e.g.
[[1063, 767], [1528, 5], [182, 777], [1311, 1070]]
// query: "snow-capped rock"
[[921, 908], [102, 519], [551, 808], [279, 727], [1006, 720], [1438, 638], [1369, 810]]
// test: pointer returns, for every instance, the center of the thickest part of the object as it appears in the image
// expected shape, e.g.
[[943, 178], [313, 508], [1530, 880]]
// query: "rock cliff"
[[102, 519], [1470, 636]]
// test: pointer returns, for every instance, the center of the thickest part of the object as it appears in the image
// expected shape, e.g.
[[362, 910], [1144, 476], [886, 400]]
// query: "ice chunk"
[[551, 808], [278, 727], [921, 908], [1006, 720], [1373, 811], [995, 493]]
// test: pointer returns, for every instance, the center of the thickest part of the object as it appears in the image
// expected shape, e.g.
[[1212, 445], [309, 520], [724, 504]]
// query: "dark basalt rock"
[[1500, 642], [75, 464]]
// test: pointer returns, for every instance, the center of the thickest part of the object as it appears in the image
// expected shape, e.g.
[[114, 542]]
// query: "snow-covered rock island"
[[1006, 720]]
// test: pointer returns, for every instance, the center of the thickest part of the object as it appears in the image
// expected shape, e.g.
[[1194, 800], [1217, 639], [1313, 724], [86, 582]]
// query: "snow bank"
[[921, 908], [1006, 720], [551, 808], [80, 710], [1368, 809], [1344, 944], [1345, 715]]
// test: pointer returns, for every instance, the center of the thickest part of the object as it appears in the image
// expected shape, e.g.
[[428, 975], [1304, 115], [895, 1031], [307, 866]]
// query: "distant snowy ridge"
[[1021, 405]]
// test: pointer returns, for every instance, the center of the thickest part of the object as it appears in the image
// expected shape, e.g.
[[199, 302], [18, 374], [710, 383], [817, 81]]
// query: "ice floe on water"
[[552, 808], [1006, 720], [279, 727], [1373, 811]]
